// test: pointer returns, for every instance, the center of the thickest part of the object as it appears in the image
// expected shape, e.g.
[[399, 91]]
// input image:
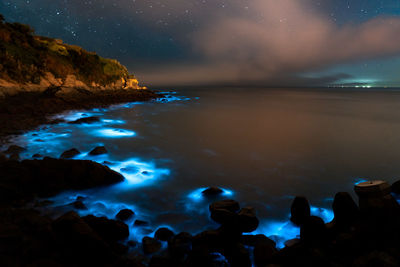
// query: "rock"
[[253, 240], [247, 220], [230, 205], [223, 216], [396, 188], [79, 205], [376, 258], [86, 120], [110, 230], [212, 192], [100, 150], [263, 251], [70, 153], [300, 210], [164, 234], [14, 149], [150, 245], [14, 157], [140, 223], [3, 157], [180, 244], [37, 156], [124, 215], [344, 208], [313, 230], [237, 255]]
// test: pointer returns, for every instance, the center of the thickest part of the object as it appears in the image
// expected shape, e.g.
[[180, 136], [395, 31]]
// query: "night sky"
[[232, 42]]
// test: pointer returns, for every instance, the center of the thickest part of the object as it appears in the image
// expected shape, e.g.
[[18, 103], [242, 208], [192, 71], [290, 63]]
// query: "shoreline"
[[28, 110]]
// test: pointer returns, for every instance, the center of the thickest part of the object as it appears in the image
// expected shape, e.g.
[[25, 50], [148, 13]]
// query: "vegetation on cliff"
[[27, 58]]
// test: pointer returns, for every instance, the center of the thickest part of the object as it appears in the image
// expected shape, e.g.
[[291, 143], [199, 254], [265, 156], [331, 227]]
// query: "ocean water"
[[262, 146]]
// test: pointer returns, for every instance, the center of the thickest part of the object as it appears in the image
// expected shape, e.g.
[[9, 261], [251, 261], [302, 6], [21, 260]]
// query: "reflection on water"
[[262, 146]]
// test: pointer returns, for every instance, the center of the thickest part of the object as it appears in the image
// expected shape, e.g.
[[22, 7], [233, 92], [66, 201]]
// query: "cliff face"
[[33, 63]]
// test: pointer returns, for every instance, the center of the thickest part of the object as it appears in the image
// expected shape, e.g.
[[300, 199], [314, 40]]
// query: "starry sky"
[[230, 42]]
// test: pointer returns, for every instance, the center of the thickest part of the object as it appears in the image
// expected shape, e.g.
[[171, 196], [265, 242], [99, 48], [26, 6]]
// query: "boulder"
[[14, 157], [396, 187], [223, 216], [150, 245], [68, 154], [263, 251], [124, 215], [212, 192], [110, 230], [253, 240], [100, 150], [79, 205], [14, 149], [300, 210], [313, 230], [163, 234], [37, 156], [344, 208], [180, 244], [247, 220]]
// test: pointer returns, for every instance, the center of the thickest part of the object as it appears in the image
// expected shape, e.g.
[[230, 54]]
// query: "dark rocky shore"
[[28, 110], [364, 234]]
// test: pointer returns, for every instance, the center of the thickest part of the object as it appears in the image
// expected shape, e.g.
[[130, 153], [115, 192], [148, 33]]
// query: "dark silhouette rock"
[[212, 192], [37, 156], [344, 208], [253, 240], [110, 230], [230, 205], [14, 149], [396, 188], [223, 216], [163, 234], [150, 245], [180, 244], [100, 150], [79, 205], [313, 230], [14, 157], [300, 210], [124, 215], [140, 223], [3, 157], [263, 251], [86, 120], [247, 220], [70, 153]]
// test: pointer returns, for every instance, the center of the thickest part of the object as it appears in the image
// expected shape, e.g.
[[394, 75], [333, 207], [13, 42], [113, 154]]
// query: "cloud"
[[276, 40]]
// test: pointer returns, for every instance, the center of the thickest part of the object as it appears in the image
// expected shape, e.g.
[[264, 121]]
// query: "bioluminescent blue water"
[[263, 147]]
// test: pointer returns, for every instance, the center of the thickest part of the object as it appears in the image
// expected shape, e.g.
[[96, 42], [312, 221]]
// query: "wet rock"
[[376, 258], [79, 205], [247, 220], [237, 255], [14, 149], [164, 234], [100, 150], [68, 154], [344, 208], [212, 192], [230, 205], [14, 157], [37, 156], [140, 223], [86, 120], [263, 251], [110, 230], [124, 215], [180, 244], [300, 210], [223, 216], [313, 230], [253, 240], [396, 187], [3, 157], [150, 245]]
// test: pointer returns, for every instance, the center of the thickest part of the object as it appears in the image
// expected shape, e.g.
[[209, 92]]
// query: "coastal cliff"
[[32, 63]]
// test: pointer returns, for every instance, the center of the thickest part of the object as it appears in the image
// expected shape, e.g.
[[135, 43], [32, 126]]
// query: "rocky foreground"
[[367, 234]]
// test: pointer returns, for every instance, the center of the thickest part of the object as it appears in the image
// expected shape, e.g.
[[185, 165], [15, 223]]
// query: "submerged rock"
[[124, 215], [300, 210], [86, 120], [100, 150], [212, 192], [68, 154]]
